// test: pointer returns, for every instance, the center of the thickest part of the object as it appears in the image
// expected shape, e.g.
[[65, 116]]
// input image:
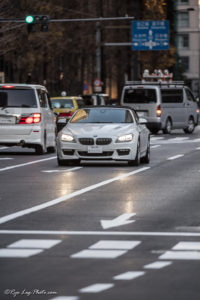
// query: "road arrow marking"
[[119, 221]]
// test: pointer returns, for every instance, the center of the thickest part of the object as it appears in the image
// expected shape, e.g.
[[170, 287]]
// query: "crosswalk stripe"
[[129, 275], [111, 254], [96, 288], [34, 244], [115, 245], [6, 252], [158, 265], [181, 255]]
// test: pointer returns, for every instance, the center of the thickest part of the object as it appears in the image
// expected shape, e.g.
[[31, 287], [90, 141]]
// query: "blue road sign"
[[150, 35]]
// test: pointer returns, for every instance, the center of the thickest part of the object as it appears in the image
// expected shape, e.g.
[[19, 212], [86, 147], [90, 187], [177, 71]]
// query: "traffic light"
[[30, 22], [42, 20]]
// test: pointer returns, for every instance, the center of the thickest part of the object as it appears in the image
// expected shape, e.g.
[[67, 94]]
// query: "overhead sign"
[[150, 35]]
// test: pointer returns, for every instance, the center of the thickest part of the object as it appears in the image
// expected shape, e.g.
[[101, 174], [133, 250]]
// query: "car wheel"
[[190, 127], [41, 149], [51, 149], [168, 127], [136, 161], [63, 162], [154, 131], [146, 158]]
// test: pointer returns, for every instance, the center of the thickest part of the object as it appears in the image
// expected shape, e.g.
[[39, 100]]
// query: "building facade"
[[187, 14]]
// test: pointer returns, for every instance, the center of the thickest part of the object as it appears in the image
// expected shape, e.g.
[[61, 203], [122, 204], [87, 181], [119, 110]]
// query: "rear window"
[[172, 96], [62, 103], [140, 95], [80, 102], [17, 98]]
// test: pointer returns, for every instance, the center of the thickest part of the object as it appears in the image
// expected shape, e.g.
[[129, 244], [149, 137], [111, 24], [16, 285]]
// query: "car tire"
[[191, 125], [146, 158], [41, 149], [168, 126], [136, 161], [51, 149], [63, 162], [154, 131]]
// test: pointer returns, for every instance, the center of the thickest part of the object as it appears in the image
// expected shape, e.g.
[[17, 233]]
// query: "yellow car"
[[64, 107]]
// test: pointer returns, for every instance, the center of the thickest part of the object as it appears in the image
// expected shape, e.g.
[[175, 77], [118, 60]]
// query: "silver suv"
[[26, 117]]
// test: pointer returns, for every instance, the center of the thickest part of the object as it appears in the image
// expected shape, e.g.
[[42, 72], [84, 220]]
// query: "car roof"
[[23, 85], [107, 107], [66, 97]]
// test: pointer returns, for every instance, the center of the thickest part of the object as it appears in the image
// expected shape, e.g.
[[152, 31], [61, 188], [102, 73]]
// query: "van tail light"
[[158, 111], [66, 114], [31, 119]]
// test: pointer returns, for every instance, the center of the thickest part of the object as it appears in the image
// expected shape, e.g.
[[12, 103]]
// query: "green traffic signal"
[[29, 19]]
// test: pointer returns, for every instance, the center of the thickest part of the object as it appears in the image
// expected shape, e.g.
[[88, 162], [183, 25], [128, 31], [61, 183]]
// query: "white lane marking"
[[5, 158], [98, 254], [185, 255], [125, 245], [157, 138], [129, 275], [62, 171], [26, 164], [19, 252], [158, 265], [96, 288], [65, 298], [155, 146], [2, 148], [176, 141], [66, 197], [175, 157], [187, 246], [102, 233], [179, 139], [34, 243], [119, 221], [198, 148]]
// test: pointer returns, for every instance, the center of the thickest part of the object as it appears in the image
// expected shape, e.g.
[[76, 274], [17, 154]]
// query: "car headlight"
[[67, 138], [125, 138]]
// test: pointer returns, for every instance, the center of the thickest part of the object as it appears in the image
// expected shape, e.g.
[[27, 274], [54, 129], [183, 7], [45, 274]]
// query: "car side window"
[[190, 97], [49, 101], [135, 116], [43, 99]]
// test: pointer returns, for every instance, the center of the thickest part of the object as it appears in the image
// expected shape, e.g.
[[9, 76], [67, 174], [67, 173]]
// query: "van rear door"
[[143, 99]]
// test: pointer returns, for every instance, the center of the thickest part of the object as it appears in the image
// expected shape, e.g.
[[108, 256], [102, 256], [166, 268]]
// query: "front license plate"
[[7, 120], [95, 149]]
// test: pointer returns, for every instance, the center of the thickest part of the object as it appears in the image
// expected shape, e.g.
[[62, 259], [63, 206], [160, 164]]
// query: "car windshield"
[[102, 115], [17, 98], [140, 95], [62, 103]]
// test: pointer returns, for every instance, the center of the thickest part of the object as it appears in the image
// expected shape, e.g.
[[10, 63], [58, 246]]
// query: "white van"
[[165, 105], [26, 117]]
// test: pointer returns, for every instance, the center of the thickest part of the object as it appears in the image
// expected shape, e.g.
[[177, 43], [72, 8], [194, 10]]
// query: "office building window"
[[184, 63], [183, 19], [183, 2], [183, 41]]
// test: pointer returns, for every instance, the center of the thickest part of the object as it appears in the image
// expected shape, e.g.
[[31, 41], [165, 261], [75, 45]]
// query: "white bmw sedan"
[[104, 133]]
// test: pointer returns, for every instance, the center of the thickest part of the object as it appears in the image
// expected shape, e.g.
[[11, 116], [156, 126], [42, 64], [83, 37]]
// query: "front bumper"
[[114, 151]]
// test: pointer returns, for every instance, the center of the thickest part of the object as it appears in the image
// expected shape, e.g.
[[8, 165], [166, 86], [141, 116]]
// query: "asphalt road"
[[102, 230]]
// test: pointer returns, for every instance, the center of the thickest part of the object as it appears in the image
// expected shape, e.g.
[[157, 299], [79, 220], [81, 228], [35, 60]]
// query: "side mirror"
[[142, 121]]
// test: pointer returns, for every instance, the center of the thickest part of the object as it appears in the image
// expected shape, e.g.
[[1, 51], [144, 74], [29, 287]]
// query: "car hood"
[[100, 130]]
